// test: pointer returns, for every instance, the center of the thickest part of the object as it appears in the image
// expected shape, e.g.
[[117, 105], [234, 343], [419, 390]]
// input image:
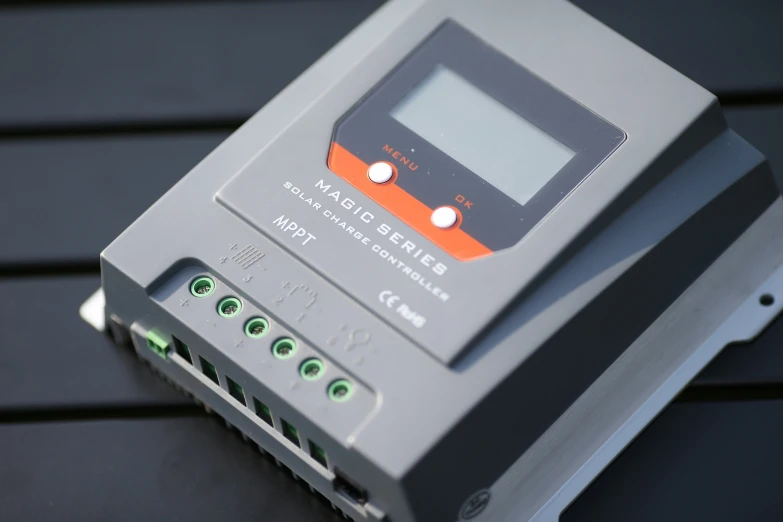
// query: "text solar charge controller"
[[429, 276]]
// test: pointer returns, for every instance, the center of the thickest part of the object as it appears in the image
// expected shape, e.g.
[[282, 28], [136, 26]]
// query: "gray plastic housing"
[[440, 415]]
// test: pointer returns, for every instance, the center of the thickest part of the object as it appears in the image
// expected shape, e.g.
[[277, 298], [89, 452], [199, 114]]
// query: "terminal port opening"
[[182, 349], [263, 412], [208, 369], [291, 433], [318, 454], [349, 488], [236, 391]]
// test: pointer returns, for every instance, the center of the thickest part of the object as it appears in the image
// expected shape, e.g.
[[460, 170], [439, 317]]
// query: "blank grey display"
[[482, 134]]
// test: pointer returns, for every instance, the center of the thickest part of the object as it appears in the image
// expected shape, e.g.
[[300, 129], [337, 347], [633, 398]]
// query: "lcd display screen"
[[482, 134]]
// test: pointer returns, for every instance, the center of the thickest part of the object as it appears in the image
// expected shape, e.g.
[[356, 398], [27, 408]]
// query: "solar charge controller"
[[448, 273]]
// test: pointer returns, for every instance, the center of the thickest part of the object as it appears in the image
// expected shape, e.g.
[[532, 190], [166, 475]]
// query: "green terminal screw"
[[311, 369], [229, 307], [202, 286], [256, 327], [340, 390], [284, 348]]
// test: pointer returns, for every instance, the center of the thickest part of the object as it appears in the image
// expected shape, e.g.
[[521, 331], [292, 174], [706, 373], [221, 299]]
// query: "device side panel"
[[706, 128], [519, 411]]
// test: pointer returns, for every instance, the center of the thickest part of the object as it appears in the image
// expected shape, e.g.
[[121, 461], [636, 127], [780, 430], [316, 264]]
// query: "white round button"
[[380, 172], [444, 217]]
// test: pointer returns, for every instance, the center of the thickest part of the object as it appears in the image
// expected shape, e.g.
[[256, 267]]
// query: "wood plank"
[[213, 61], [728, 46], [697, 462], [50, 358], [171, 62], [73, 196], [717, 462], [160, 469]]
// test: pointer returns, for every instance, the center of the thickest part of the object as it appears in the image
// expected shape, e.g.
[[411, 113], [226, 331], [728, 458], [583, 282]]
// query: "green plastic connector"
[[158, 343]]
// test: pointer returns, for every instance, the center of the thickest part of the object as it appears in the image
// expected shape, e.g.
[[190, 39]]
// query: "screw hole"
[[202, 286], [340, 390], [256, 327], [229, 307], [311, 369], [767, 300], [284, 348]]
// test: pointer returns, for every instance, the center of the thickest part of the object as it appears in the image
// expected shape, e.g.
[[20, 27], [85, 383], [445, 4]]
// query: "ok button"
[[444, 217]]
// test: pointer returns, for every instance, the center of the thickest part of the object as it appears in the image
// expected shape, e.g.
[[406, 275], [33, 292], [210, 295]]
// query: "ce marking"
[[388, 297]]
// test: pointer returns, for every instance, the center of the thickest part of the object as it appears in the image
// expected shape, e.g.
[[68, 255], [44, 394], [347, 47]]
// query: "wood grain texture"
[[72, 196], [714, 462], [717, 462], [50, 358], [190, 469], [170, 62], [728, 46], [221, 61]]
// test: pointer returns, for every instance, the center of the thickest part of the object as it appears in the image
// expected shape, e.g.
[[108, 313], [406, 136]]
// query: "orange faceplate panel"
[[409, 209]]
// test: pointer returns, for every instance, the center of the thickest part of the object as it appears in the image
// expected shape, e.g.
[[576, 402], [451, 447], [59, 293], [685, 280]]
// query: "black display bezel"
[[497, 220]]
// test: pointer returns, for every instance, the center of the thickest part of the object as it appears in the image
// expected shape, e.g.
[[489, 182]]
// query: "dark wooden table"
[[103, 106]]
